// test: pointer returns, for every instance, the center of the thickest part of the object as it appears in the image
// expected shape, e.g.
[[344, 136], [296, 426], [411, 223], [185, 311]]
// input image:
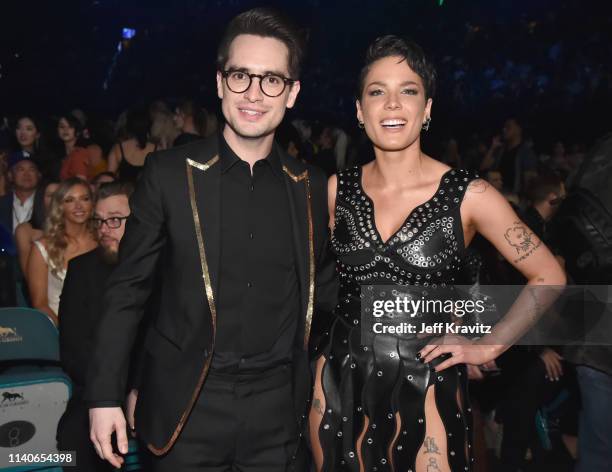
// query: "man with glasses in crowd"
[[237, 229], [79, 311]]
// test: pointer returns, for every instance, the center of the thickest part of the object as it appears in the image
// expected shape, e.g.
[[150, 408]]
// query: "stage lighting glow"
[[128, 33]]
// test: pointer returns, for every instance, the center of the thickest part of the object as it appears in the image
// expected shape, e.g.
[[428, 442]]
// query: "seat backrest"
[[27, 334]]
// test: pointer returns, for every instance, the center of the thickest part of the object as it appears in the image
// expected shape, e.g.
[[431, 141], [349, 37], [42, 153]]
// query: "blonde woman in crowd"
[[68, 233]]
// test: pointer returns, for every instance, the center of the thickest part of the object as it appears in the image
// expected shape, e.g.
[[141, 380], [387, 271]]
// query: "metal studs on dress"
[[384, 380]]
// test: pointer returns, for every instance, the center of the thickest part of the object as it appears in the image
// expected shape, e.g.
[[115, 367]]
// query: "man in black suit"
[[239, 232], [79, 311], [23, 203]]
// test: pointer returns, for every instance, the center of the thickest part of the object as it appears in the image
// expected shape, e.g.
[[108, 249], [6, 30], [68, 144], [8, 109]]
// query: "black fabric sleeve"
[[128, 289]]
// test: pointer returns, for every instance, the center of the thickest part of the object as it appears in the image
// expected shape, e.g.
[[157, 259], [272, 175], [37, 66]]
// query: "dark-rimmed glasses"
[[113, 222], [271, 85]]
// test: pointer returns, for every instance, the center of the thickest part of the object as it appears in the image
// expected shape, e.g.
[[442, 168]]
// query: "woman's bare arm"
[[332, 185], [114, 158], [38, 283]]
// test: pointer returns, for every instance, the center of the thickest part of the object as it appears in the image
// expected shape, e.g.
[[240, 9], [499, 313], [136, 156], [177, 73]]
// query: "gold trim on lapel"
[[311, 259], [201, 166], [199, 235], [211, 303]]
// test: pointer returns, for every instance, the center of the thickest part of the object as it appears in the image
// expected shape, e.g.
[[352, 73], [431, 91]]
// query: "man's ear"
[[219, 85], [293, 93]]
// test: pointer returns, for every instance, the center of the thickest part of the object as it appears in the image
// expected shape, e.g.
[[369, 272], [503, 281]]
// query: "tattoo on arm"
[[316, 404], [478, 186], [433, 465], [430, 446], [522, 240]]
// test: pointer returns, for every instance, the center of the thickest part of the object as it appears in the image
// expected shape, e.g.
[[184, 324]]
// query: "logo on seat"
[[9, 335]]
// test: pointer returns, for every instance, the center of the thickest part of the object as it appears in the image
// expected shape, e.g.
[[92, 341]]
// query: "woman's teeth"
[[393, 123]]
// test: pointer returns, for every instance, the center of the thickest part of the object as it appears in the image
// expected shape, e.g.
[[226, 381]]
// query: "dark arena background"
[[546, 61]]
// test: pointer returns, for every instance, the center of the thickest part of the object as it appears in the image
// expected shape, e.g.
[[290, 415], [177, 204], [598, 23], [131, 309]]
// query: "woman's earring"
[[425, 126], [361, 125]]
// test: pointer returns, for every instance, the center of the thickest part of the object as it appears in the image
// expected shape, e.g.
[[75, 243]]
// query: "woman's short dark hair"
[[407, 50], [268, 23]]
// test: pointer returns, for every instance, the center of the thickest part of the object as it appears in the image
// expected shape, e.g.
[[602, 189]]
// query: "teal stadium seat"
[[33, 389]]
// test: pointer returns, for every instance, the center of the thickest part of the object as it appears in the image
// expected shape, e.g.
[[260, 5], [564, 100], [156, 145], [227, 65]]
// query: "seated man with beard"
[[80, 302]]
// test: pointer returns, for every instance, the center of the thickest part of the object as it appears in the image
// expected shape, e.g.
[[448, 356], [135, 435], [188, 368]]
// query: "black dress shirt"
[[258, 309]]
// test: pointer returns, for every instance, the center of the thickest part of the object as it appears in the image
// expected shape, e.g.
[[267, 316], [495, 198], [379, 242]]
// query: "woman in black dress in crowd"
[[126, 158], [400, 403]]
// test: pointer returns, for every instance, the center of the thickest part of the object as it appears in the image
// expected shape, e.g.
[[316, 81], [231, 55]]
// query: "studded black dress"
[[383, 379]]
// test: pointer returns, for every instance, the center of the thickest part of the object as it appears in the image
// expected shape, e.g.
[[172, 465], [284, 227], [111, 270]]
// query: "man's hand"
[[552, 361], [103, 422], [130, 406]]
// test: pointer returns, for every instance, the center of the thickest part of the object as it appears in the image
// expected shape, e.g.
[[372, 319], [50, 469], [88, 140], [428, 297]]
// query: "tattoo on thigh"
[[318, 407], [430, 446], [433, 465]]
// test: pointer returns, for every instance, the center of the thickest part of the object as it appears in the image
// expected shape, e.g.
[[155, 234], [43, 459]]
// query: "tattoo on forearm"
[[430, 446], [433, 465], [522, 240], [316, 404]]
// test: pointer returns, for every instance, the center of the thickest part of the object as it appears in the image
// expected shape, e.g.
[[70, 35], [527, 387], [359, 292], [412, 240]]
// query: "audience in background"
[[100, 179], [191, 120], [18, 205], [511, 156], [30, 231], [127, 157], [80, 302], [76, 161], [67, 234]]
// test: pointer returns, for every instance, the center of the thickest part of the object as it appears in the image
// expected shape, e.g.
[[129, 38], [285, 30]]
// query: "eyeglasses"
[[113, 222], [271, 85]]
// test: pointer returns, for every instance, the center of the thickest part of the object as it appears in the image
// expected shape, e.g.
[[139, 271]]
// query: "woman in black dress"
[[398, 403]]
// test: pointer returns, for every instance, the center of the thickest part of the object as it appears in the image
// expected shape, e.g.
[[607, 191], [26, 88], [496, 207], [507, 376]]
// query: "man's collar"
[[228, 158], [29, 199]]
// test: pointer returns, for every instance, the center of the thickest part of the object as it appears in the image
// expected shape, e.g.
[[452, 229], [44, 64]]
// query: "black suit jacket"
[[6, 211], [176, 217], [79, 311]]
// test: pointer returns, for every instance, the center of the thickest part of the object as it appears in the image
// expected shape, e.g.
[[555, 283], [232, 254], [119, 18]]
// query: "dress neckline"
[[410, 214]]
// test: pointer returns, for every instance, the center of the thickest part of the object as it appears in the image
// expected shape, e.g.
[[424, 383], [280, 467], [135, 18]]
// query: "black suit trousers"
[[240, 423]]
